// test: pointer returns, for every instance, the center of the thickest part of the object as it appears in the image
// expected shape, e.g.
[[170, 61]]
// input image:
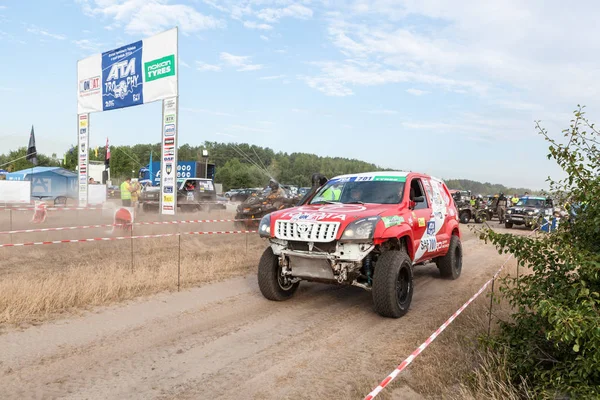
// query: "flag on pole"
[[96, 152], [31, 150], [150, 175], [107, 155]]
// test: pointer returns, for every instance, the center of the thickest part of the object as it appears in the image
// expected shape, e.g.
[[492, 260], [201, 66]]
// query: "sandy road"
[[226, 341]]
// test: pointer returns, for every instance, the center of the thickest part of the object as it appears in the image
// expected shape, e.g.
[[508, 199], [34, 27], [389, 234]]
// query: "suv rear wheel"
[[273, 285], [450, 265], [393, 284]]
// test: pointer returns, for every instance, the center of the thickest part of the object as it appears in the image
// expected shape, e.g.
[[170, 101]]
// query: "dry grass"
[[42, 282], [456, 367]]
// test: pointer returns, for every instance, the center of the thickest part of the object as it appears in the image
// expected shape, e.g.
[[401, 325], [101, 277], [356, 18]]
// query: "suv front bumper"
[[520, 219], [335, 265]]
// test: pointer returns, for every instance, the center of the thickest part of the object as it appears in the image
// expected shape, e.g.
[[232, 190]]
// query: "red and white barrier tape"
[[105, 239], [51, 208], [435, 334], [69, 228]]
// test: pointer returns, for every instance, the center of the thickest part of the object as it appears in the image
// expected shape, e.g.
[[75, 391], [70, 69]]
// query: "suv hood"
[[343, 213]]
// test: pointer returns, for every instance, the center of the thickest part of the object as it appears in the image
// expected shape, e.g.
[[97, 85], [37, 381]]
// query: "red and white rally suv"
[[366, 230]]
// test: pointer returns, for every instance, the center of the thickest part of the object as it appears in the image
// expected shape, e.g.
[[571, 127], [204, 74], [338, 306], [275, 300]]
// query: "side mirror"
[[419, 199]]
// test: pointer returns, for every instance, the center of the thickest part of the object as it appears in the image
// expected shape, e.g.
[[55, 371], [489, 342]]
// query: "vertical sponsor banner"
[[83, 127], [168, 172]]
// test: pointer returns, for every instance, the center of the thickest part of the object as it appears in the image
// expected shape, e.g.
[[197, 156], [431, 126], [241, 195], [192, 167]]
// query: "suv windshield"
[[531, 203], [375, 192]]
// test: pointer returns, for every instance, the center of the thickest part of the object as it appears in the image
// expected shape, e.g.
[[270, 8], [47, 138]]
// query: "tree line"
[[237, 165]]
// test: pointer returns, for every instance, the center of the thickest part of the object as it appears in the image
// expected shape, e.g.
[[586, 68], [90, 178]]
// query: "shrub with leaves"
[[553, 337]]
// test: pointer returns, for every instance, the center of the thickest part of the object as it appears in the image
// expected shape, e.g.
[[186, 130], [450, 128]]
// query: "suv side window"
[[416, 190]]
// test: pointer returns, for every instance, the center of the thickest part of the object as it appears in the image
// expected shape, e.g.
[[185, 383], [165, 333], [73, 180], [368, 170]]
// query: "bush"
[[552, 340]]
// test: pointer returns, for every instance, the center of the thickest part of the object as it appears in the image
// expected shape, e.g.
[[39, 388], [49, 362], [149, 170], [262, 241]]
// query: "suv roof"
[[373, 174]]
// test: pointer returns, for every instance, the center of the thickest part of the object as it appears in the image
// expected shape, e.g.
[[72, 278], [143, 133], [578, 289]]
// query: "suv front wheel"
[[393, 284], [272, 283]]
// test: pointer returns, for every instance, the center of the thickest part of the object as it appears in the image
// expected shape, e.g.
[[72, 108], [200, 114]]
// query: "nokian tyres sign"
[[137, 73], [160, 68]]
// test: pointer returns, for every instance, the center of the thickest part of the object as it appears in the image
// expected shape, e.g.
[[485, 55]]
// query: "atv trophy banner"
[[134, 74]]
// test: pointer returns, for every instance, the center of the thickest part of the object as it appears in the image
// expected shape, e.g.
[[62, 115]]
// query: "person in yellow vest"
[[514, 200], [332, 193], [126, 192], [472, 201]]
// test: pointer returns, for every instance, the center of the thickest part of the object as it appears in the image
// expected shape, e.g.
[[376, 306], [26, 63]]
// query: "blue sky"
[[447, 88]]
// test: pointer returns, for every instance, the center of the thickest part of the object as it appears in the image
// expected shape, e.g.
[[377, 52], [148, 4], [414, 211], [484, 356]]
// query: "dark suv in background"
[[529, 211]]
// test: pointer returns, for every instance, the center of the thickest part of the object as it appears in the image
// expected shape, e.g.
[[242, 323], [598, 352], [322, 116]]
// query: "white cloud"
[[416, 92], [183, 63], [90, 45], [242, 63], [272, 77], [38, 31], [255, 25], [250, 67], [202, 66], [270, 11], [149, 17], [466, 41], [336, 77], [331, 87], [3, 7], [263, 37], [10, 38], [233, 60], [293, 11]]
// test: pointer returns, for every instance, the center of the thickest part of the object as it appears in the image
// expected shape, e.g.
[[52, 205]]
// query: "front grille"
[[329, 247], [306, 231]]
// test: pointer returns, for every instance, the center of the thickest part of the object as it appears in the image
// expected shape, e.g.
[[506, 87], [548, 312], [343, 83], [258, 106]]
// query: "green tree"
[[553, 338]]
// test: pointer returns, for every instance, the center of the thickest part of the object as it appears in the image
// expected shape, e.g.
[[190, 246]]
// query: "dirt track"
[[226, 341]]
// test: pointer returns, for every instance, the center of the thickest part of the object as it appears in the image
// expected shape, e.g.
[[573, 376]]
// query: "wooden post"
[[491, 304], [179, 265], [11, 226], [131, 247]]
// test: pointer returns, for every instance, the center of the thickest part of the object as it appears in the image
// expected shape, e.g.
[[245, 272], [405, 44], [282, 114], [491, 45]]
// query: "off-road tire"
[[508, 225], [390, 267], [464, 217], [479, 218], [450, 265], [268, 282]]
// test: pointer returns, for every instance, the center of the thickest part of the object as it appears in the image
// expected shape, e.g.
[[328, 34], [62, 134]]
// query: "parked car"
[[381, 226], [193, 194]]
